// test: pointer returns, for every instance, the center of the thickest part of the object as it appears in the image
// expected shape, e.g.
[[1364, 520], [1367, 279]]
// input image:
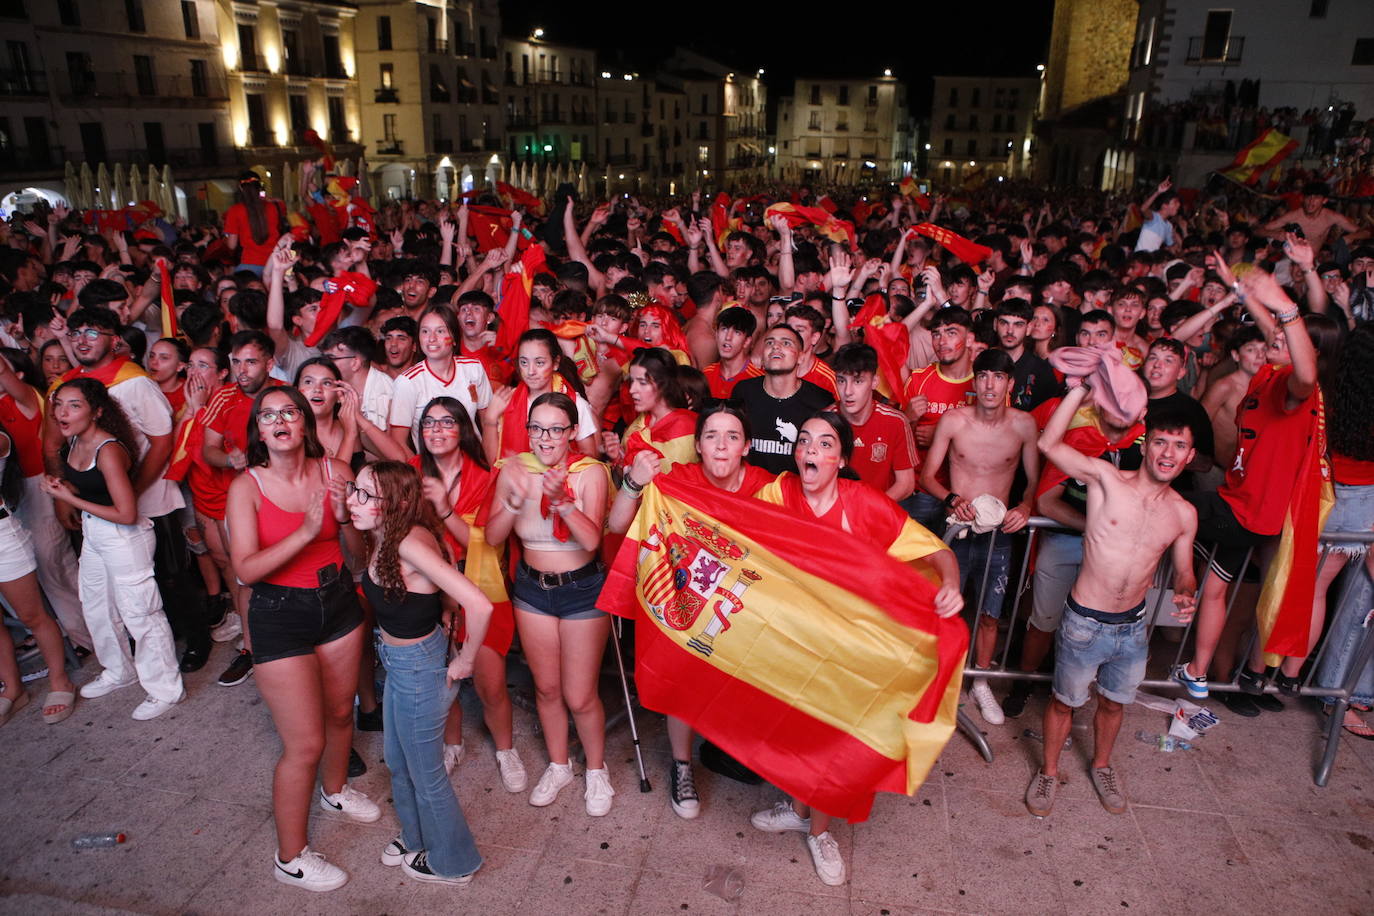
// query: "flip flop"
[[9, 707], [1358, 729], [64, 698]]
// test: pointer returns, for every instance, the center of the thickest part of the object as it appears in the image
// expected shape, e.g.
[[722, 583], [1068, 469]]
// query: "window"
[[338, 122], [815, 122], [972, 149], [93, 141], [815, 94], [79, 72], [134, 10], [389, 128], [333, 60], [438, 86], [977, 98], [997, 122], [872, 95], [68, 12], [1364, 53], [388, 72], [703, 153], [705, 104], [844, 95], [951, 122], [257, 120], [953, 96], [190, 18], [973, 122], [431, 34], [383, 33], [1216, 34], [291, 51], [1318, 9], [300, 116], [949, 147], [143, 75], [153, 142], [209, 143], [200, 80], [436, 130], [870, 122], [248, 47]]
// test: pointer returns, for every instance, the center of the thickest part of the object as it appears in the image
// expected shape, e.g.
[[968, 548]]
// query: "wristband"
[[1290, 317], [627, 481], [447, 516], [950, 500], [632, 492]]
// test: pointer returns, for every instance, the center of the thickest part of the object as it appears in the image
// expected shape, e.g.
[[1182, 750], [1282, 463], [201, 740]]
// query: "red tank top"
[[275, 523]]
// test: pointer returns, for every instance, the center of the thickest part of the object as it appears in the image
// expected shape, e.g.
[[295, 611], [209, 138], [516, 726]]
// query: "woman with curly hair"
[[407, 574], [115, 578], [1350, 411]]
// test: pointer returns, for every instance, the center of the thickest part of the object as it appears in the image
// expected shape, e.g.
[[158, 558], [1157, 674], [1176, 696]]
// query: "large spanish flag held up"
[[1266, 151], [826, 223], [824, 670]]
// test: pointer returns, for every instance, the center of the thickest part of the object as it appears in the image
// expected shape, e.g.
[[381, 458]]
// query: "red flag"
[[970, 253], [891, 340], [327, 155], [347, 287], [720, 217], [828, 205], [837, 230], [911, 189], [169, 311], [521, 197], [515, 298]]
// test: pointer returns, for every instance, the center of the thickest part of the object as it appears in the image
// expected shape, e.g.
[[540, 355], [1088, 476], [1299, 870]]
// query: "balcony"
[[490, 96], [388, 96], [127, 89], [465, 49], [437, 46], [390, 147], [489, 52], [24, 159], [443, 145], [583, 117], [510, 77], [552, 117], [261, 137], [481, 145], [23, 83], [1205, 52]]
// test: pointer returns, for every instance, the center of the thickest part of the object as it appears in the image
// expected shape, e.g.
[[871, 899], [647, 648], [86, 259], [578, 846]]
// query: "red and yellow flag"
[[891, 340], [837, 230], [825, 671], [169, 309], [1266, 151], [514, 308], [911, 189], [971, 253]]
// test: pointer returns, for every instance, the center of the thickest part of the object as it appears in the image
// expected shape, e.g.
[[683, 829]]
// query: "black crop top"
[[414, 616], [90, 483]]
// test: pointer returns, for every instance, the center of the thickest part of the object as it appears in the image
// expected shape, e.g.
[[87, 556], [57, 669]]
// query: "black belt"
[[549, 581], [1134, 615]]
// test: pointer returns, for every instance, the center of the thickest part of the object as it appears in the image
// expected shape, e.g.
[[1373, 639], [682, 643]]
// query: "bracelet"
[[444, 518], [632, 492], [1290, 317], [627, 481]]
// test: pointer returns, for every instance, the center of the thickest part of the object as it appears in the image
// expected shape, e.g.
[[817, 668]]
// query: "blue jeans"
[[414, 708], [1086, 650], [984, 555], [927, 510], [1353, 512]]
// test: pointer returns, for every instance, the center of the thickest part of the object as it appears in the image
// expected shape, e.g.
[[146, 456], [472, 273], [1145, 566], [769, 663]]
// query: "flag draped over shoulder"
[[970, 253], [825, 671], [1266, 151], [1284, 610]]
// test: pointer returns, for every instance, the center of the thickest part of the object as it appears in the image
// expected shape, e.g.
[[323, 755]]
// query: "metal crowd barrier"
[[1021, 606]]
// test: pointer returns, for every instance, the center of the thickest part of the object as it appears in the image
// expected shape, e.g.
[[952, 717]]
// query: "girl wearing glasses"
[[115, 579], [455, 479], [407, 575], [288, 524], [542, 368], [557, 509]]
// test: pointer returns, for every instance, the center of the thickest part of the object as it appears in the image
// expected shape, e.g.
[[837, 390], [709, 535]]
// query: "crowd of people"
[[408, 435]]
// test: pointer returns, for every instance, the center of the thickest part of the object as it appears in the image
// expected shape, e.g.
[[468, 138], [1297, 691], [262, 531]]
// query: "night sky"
[[917, 41]]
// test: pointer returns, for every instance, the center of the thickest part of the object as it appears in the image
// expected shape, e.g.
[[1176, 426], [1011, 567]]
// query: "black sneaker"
[[239, 670], [682, 791], [370, 721], [1267, 702], [1240, 703], [217, 607], [194, 658], [1250, 682], [356, 766], [417, 867], [1015, 703]]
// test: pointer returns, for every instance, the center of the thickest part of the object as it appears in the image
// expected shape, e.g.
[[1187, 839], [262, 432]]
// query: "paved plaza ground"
[[1235, 827]]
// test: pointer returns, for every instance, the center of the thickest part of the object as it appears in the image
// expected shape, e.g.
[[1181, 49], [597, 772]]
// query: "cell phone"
[[1295, 229]]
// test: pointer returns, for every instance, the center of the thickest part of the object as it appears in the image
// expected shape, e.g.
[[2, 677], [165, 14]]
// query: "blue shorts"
[[984, 558], [572, 600], [1085, 649]]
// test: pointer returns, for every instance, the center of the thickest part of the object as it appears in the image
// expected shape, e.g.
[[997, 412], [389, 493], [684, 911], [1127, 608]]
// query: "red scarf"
[[514, 437]]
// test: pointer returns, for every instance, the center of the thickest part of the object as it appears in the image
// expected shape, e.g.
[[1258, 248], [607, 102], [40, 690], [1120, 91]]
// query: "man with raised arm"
[[1133, 517]]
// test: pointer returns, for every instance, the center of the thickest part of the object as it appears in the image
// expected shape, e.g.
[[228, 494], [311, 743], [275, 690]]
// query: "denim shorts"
[[284, 622], [1085, 649], [984, 558], [571, 601]]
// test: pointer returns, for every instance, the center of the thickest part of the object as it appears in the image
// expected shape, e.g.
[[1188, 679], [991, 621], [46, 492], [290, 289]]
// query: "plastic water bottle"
[[1166, 743], [98, 840]]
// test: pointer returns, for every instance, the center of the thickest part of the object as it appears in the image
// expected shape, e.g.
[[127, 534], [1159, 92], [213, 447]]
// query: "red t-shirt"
[[823, 375], [882, 447], [236, 223], [942, 393], [228, 413], [1350, 471], [1273, 443], [722, 387], [26, 438]]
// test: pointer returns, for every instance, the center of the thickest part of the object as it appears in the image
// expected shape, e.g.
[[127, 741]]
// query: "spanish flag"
[[169, 309], [190, 439], [1266, 151], [512, 435], [515, 298], [837, 230], [672, 438], [971, 253], [911, 189], [825, 671], [891, 340], [1284, 611], [518, 196]]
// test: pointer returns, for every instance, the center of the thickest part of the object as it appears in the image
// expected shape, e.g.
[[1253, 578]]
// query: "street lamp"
[[538, 33]]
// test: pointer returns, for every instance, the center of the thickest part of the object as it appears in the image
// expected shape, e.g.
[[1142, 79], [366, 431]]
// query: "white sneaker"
[[453, 755], [352, 804], [780, 818], [152, 707], [394, 853], [104, 684], [230, 628], [309, 871], [512, 770], [825, 853], [551, 783], [988, 707], [599, 792]]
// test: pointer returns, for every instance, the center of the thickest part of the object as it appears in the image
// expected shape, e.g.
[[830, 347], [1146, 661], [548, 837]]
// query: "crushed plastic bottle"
[[98, 840], [725, 882], [1166, 743]]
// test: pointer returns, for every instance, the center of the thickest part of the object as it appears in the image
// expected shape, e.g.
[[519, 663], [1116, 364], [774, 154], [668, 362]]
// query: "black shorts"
[[284, 622], [1218, 529]]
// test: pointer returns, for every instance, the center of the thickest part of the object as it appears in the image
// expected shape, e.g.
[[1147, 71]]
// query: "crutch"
[[616, 624]]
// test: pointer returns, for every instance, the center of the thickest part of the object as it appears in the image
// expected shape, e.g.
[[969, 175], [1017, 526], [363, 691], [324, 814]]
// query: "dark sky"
[[917, 41]]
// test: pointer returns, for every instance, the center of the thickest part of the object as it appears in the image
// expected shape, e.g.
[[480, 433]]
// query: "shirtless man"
[[1133, 518], [1316, 221], [984, 444], [1247, 349]]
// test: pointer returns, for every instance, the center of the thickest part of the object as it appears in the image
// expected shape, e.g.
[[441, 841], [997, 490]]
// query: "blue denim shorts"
[[575, 600], [1113, 654], [984, 560]]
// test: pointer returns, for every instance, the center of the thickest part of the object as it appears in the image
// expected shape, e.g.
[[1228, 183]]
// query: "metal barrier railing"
[[1019, 603]]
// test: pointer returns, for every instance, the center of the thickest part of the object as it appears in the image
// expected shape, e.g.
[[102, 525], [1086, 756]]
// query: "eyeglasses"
[[439, 422], [88, 333], [353, 491], [338, 356], [536, 431], [283, 415]]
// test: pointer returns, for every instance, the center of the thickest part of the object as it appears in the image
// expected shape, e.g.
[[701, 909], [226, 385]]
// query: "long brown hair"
[[108, 416], [250, 195], [403, 509]]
